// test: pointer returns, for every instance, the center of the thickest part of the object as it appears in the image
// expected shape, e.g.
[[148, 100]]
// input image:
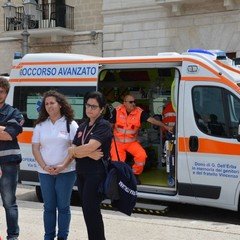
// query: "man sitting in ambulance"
[[126, 120]]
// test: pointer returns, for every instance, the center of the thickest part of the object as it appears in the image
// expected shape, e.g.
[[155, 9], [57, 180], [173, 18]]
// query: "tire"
[[39, 193]]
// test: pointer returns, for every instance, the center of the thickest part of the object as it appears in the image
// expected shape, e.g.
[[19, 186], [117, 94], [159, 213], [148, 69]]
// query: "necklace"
[[86, 133]]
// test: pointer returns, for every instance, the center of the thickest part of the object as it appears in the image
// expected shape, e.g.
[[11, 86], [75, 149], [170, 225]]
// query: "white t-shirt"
[[54, 142]]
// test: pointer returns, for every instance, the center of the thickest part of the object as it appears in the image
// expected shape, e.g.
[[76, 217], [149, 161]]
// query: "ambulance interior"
[[151, 88]]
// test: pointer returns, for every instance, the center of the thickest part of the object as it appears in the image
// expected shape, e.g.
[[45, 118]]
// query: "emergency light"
[[199, 50], [220, 55], [17, 55]]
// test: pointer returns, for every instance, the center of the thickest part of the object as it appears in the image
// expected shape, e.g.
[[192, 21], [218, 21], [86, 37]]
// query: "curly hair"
[[66, 109]]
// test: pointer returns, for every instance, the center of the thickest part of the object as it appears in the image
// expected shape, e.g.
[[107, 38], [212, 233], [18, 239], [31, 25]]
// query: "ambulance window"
[[234, 113], [28, 100], [216, 110], [208, 107]]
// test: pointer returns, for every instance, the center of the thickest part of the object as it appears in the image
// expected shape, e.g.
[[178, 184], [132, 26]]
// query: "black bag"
[[121, 187]]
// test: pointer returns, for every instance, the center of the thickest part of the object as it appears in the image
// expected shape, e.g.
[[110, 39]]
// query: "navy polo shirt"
[[101, 132]]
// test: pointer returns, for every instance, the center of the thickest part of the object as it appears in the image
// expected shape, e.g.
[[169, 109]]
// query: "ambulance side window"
[[208, 107], [28, 100], [233, 107], [216, 111]]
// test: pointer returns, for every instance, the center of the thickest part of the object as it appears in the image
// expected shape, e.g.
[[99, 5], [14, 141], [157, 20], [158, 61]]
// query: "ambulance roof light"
[[17, 55], [219, 54], [199, 50]]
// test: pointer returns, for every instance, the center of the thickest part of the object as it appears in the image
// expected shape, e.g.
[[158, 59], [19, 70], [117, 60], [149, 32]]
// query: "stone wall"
[[147, 27]]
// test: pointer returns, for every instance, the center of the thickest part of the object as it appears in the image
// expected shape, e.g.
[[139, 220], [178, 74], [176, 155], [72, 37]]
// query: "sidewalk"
[[119, 226]]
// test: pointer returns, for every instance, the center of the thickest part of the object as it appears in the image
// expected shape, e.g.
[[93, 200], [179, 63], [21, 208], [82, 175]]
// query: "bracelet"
[[44, 166]]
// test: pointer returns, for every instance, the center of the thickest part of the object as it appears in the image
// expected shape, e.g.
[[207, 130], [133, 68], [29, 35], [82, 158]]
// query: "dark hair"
[[4, 83], [98, 96], [66, 108]]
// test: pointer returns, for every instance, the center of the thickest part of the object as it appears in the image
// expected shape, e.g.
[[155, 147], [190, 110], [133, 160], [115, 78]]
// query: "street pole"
[[25, 34]]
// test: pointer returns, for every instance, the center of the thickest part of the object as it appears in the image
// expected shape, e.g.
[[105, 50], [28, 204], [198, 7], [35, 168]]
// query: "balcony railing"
[[50, 16]]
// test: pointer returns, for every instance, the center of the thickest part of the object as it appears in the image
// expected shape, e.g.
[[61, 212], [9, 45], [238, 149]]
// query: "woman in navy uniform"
[[92, 143]]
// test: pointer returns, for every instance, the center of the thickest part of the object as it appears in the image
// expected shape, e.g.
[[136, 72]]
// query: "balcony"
[[52, 20]]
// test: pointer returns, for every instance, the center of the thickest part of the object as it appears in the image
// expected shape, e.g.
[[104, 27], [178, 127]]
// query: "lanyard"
[[86, 133]]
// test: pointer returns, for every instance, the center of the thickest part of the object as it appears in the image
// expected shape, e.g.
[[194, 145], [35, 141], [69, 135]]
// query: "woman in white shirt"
[[52, 136]]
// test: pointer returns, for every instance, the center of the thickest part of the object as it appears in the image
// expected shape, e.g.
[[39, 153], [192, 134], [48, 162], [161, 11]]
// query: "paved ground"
[[119, 226]]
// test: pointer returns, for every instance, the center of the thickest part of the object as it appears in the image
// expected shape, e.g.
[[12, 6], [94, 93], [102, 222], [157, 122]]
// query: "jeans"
[[8, 186], [56, 192]]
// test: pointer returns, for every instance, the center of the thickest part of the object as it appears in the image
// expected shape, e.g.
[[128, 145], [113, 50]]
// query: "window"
[[28, 100], [216, 110]]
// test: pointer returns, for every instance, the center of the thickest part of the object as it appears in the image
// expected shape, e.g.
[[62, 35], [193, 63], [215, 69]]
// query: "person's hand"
[[170, 129], [96, 155], [58, 169], [49, 169]]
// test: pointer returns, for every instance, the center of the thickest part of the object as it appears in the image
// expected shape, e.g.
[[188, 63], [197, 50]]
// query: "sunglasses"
[[131, 102]]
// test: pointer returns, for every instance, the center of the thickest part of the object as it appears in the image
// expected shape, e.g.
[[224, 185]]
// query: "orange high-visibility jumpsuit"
[[125, 133], [168, 116]]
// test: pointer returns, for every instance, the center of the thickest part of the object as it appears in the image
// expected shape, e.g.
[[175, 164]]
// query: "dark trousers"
[[91, 197]]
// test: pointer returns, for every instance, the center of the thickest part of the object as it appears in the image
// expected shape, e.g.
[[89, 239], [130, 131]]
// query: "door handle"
[[193, 143]]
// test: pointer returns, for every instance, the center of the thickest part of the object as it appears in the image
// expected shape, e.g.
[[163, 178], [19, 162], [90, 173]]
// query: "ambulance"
[[203, 163]]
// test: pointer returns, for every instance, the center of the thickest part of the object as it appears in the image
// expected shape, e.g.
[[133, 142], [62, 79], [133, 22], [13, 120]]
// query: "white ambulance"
[[203, 167]]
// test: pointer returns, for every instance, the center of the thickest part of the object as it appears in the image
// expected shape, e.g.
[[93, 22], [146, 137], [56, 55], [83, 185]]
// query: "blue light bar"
[[199, 50], [219, 53], [17, 55]]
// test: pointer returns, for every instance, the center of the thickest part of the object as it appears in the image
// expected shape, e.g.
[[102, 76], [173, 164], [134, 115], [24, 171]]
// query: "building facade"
[[124, 28]]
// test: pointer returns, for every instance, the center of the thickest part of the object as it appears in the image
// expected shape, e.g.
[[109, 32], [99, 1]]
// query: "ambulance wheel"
[[39, 193], [171, 181]]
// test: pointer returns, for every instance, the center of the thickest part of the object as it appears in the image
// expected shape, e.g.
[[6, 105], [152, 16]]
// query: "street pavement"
[[119, 226]]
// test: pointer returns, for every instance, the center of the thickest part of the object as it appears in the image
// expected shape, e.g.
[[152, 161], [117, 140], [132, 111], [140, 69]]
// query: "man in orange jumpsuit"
[[127, 119], [168, 116]]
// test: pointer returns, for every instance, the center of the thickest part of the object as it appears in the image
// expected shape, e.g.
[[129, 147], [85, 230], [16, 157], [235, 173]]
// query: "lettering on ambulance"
[[207, 146], [74, 71], [209, 169], [29, 162]]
